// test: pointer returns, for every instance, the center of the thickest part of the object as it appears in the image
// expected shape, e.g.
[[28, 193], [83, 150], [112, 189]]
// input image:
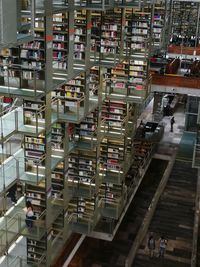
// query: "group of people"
[[152, 246]]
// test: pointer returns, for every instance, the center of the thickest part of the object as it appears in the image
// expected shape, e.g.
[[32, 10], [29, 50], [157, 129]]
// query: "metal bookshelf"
[[81, 76]]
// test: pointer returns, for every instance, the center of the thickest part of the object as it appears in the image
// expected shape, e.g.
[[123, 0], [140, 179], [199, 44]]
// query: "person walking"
[[172, 121], [162, 246], [151, 246]]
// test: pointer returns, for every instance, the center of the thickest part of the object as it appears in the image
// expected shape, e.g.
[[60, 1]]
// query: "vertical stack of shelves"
[[82, 173], [33, 112], [113, 154], [94, 81], [112, 188], [32, 54], [119, 79], [112, 157], [184, 22], [86, 131], [115, 115], [35, 250], [80, 35], [57, 180], [71, 96], [9, 56], [34, 150], [82, 210], [95, 32], [60, 40], [36, 194], [111, 27], [82, 179], [35, 153], [36, 245], [158, 25], [57, 136], [138, 34]]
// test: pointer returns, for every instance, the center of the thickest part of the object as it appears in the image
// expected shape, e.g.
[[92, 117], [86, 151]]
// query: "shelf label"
[[49, 236], [88, 80], [49, 38], [49, 45], [66, 214], [49, 138], [89, 26], [71, 30], [48, 192]]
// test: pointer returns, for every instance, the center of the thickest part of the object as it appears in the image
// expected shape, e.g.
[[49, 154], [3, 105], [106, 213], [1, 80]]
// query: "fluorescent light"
[[19, 238], [11, 248], [2, 259]]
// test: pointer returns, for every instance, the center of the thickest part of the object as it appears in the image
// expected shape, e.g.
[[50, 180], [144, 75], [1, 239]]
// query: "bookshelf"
[[82, 212], [71, 95], [94, 81], [60, 40], [86, 131], [34, 113], [139, 46], [35, 250], [119, 79], [110, 34], [80, 25], [82, 123], [36, 241], [115, 115], [57, 180], [82, 173], [184, 18], [36, 195], [95, 32], [112, 153], [57, 136], [34, 147], [158, 25]]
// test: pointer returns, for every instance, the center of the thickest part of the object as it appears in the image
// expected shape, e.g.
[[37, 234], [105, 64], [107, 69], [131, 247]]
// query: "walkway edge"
[[196, 224], [148, 217]]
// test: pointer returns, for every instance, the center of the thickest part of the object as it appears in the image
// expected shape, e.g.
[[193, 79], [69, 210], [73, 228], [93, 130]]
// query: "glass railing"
[[112, 207], [129, 3], [80, 186], [86, 140], [10, 122], [83, 223], [9, 172], [113, 173], [22, 80], [37, 231], [69, 109], [116, 128], [16, 261], [196, 156]]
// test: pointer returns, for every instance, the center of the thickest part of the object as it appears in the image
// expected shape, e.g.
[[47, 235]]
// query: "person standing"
[[162, 246], [172, 121], [151, 246], [30, 217]]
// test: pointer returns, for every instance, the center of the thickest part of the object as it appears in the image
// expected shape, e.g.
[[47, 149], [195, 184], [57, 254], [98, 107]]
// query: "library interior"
[[99, 133]]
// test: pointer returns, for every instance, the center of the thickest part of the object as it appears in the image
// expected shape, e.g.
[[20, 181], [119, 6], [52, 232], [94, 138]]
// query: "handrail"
[[41, 259], [21, 66], [15, 260]]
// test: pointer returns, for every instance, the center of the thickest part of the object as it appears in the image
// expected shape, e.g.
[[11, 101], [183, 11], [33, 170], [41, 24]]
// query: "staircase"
[[174, 219]]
